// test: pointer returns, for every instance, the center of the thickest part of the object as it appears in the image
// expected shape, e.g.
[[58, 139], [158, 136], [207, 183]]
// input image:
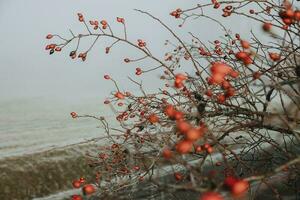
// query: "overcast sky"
[[26, 70]]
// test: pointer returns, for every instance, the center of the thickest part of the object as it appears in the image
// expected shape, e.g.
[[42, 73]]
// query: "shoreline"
[[48, 175], [43, 173]]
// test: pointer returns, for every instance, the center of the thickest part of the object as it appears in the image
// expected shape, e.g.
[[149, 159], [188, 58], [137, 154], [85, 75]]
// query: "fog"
[[28, 71]]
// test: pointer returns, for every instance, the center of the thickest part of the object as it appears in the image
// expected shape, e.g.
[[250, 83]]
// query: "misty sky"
[[28, 71]]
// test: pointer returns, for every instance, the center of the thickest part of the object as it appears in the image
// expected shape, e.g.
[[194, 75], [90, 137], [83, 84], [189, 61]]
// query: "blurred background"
[[38, 91]]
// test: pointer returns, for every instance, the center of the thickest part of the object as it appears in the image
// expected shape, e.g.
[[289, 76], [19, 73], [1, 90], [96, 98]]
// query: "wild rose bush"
[[217, 129]]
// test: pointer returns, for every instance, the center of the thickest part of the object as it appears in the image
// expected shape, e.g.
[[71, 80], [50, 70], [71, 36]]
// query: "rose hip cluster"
[[216, 4], [219, 76], [176, 13], [288, 15], [237, 187], [244, 55], [87, 189], [52, 47], [95, 25], [141, 43], [179, 80], [189, 132]]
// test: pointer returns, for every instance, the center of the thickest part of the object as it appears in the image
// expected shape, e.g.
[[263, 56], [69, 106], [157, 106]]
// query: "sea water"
[[30, 125]]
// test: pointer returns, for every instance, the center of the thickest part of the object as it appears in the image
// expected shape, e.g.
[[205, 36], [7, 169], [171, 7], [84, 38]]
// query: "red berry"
[[267, 26], [220, 68], [119, 95], [217, 78], [178, 115], [103, 22], [76, 184], [178, 83], [52, 46], [138, 73], [234, 74], [49, 36], [178, 176], [256, 75], [297, 15], [82, 180], [289, 13], [80, 17], [274, 56], [226, 85], [57, 49], [287, 21], [74, 114], [184, 146], [208, 93], [217, 5], [107, 77], [153, 118], [230, 92], [241, 55], [239, 188], [245, 44], [76, 197], [193, 134], [180, 77], [47, 47], [120, 20], [170, 111], [206, 146], [229, 181], [221, 98], [167, 153], [244, 56], [209, 150], [183, 126], [285, 27], [198, 149], [88, 189]]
